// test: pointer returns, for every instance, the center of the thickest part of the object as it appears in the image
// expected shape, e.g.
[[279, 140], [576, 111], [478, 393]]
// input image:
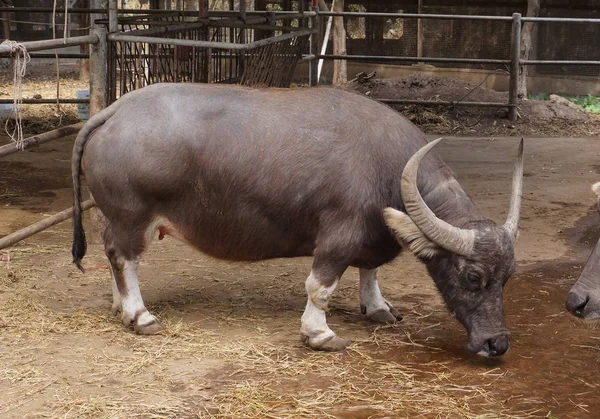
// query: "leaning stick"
[[36, 140], [19, 235]]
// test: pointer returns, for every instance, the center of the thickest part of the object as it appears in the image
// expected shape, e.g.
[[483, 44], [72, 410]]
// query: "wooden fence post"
[[515, 60], [98, 64], [113, 24]]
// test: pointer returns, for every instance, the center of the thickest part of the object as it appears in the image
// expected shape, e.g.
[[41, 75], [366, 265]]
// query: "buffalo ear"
[[408, 234]]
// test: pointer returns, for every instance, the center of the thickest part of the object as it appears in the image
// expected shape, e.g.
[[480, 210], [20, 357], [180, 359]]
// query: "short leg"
[[372, 303], [116, 304], [125, 274], [314, 331]]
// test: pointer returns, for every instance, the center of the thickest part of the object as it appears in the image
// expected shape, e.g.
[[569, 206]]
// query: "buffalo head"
[[584, 298], [470, 263]]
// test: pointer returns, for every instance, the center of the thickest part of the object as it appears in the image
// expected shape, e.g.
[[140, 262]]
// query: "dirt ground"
[[555, 117], [231, 347]]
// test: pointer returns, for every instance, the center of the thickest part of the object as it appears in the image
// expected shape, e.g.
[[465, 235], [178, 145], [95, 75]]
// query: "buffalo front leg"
[[372, 303], [314, 330], [126, 292]]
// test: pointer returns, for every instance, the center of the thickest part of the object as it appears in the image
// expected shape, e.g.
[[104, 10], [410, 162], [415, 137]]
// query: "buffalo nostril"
[[575, 303], [498, 345]]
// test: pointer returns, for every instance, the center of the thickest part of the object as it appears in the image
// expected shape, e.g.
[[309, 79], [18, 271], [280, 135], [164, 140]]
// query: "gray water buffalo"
[[247, 174], [584, 298]]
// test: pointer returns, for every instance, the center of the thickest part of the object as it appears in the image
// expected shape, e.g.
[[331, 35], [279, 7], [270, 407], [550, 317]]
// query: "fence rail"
[[265, 21], [387, 59], [513, 59], [52, 44]]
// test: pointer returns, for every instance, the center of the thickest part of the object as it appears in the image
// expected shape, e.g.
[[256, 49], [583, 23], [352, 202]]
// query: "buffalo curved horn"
[[447, 236], [512, 220]]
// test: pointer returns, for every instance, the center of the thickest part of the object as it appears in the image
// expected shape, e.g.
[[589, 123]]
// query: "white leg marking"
[[314, 322], [370, 295], [132, 302], [372, 303]]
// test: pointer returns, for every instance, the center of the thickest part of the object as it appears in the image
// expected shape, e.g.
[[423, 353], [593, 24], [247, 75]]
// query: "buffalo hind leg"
[[116, 307], [99, 225], [372, 303], [314, 330], [126, 290]]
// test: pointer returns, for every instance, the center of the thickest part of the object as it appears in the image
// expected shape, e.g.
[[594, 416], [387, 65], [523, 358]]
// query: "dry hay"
[[125, 375], [536, 117], [42, 118]]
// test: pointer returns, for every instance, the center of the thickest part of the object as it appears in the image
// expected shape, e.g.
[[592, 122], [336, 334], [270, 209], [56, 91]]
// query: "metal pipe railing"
[[52, 43], [192, 13], [60, 55], [259, 18], [415, 16], [124, 37], [388, 58], [44, 101], [207, 44], [560, 19], [558, 62], [445, 103]]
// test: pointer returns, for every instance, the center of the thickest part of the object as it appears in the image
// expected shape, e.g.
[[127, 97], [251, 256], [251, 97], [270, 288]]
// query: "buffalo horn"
[[449, 237], [512, 221]]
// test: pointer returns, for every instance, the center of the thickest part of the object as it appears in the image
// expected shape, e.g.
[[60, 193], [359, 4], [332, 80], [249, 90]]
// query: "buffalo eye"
[[474, 278]]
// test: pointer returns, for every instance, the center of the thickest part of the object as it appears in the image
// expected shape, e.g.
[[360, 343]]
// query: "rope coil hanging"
[[20, 60]]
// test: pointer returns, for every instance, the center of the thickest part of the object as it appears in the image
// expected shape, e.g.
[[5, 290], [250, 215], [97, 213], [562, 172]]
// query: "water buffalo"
[[584, 298], [248, 174]]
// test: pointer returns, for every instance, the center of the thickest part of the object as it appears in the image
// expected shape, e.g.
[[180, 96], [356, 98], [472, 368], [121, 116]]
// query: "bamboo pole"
[[17, 236], [36, 140]]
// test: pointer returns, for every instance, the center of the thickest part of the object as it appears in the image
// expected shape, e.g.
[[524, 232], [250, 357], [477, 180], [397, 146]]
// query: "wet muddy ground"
[[231, 346]]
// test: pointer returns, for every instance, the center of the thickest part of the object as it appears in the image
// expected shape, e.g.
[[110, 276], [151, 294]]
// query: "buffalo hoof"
[[385, 317], [115, 309], [388, 315], [331, 344], [143, 323], [148, 329]]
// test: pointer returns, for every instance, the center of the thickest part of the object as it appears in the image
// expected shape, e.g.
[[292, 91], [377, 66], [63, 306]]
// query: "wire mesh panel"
[[382, 36], [133, 65], [438, 38], [130, 23], [274, 64], [486, 39], [567, 41]]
